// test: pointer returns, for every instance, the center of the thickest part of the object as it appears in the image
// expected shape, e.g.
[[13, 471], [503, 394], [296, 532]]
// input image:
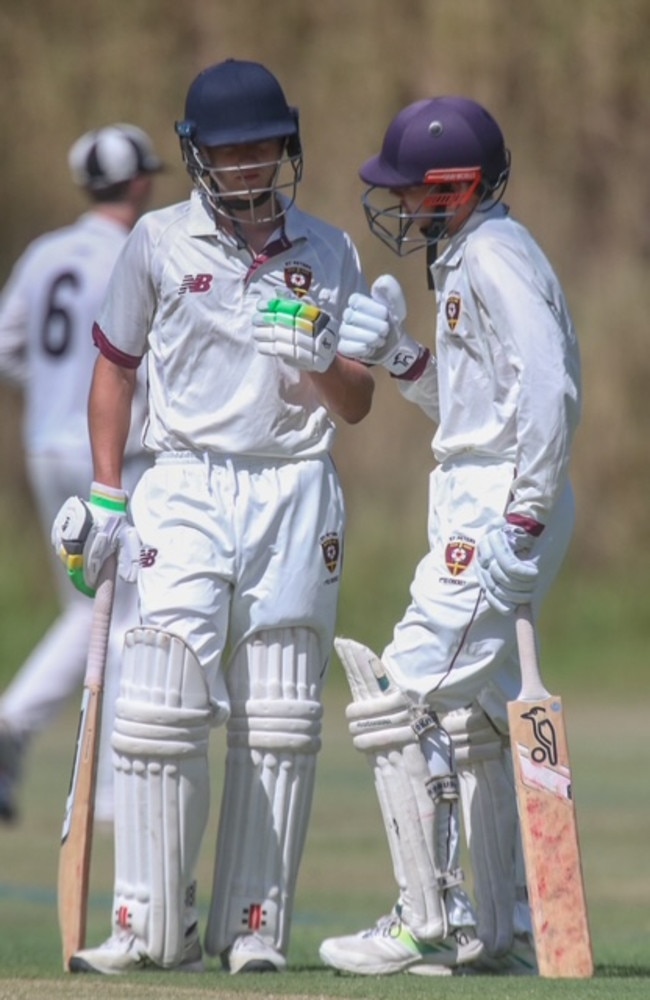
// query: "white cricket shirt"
[[185, 294], [47, 311], [508, 366]]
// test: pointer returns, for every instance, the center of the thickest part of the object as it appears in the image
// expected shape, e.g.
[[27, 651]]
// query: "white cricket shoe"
[[389, 947], [520, 960], [251, 953], [124, 952]]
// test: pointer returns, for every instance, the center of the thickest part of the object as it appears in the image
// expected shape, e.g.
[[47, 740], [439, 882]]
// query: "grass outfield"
[[596, 635], [345, 880]]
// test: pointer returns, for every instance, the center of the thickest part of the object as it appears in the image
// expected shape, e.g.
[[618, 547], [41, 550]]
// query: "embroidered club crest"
[[458, 555], [331, 549], [452, 310], [298, 277]]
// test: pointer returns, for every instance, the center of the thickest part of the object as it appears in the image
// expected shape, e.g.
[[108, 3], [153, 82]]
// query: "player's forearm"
[[346, 389], [109, 419]]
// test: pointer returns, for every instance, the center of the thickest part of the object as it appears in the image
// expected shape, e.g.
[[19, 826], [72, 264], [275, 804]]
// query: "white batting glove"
[[372, 328], [297, 331], [85, 533], [504, 568]]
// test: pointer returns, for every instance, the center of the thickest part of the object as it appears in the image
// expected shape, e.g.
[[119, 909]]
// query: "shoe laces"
[[121, 937], [250, 942], [392, 926], [387, 926]]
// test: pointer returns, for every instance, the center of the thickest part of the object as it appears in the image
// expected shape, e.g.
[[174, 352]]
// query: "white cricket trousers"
[[450, 645], [232, 546]]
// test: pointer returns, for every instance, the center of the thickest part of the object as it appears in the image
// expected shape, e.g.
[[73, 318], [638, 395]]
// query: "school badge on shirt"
[[452, 310], [459, 553], [331, 549], [298, 277]]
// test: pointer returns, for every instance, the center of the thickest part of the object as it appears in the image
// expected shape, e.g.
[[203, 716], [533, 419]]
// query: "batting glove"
[[504, 568], [298, 332], [85, 533], [372, 329]]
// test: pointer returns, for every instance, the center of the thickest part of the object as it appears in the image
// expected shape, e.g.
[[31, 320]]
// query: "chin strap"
[[432, 253], [432, 234], [244, 204]]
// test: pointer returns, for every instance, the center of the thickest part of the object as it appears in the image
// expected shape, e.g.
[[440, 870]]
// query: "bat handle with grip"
[[103, 607], [532, 688]]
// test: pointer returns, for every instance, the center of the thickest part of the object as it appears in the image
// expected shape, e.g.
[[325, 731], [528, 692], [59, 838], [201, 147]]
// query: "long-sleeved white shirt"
[[506, 382]]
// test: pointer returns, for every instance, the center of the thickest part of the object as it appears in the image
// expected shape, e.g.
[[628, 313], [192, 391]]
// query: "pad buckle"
[[443, 788], [448, 880], [424, 722]]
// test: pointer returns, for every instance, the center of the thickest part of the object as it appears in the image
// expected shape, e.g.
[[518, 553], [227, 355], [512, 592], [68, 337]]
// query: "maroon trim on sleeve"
[[529, 524], [416, 369], [111, 353]]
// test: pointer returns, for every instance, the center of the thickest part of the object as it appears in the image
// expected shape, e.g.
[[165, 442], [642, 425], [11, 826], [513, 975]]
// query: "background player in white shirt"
[[232, 299], [504, 390], [47, 310]]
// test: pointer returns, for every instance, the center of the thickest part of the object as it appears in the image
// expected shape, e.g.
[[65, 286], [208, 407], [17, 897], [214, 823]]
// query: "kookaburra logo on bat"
[[544, 733]]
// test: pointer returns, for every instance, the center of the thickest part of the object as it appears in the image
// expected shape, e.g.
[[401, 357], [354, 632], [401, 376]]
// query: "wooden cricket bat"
[[77, 833], [548, 819]]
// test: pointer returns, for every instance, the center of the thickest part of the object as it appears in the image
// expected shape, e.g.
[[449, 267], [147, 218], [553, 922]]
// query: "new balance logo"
[[148, 557], [195, 283]]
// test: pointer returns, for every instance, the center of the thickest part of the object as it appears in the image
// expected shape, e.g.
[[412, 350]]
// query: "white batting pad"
[[162, 790], [273, 737], [417, 795], [491, 823]]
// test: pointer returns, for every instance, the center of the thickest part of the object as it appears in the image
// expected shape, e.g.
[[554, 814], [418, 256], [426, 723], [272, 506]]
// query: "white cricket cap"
[[112, 155]]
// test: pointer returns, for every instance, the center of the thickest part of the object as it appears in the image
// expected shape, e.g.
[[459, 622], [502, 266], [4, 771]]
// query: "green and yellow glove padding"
[[298, 332]]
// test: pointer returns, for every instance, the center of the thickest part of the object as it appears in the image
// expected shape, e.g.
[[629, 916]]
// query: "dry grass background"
[[570, 84]]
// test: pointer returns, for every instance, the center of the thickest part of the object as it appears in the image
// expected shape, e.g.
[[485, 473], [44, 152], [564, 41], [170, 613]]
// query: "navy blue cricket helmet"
[[237, 102]]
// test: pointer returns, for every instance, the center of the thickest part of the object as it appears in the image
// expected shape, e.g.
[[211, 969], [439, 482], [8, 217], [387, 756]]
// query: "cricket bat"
[[547, 818], [77, 833]]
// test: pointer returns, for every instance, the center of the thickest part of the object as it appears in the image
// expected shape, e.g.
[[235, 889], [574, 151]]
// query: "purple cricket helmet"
[[435, 142], [436, 134]]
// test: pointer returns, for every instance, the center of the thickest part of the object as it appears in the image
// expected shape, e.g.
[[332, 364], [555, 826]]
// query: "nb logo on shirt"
[[195, 283], [148, 557]]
